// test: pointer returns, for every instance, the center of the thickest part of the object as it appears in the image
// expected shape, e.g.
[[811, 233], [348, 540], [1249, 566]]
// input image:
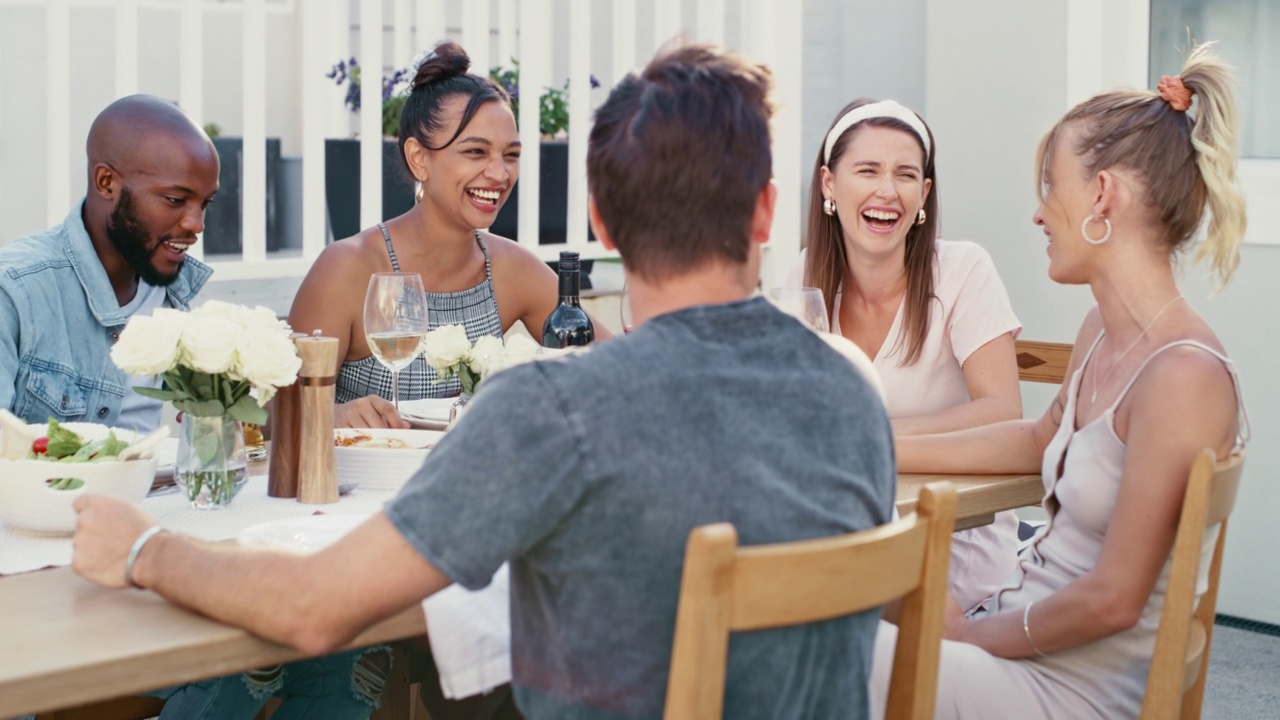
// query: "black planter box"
[[222, 220], [342, 184]]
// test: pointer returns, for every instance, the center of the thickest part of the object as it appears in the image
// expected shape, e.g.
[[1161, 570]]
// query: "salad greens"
[[65, 445]]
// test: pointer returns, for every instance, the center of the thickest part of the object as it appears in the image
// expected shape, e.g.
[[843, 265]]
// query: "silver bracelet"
[[135, 550], [1026, 627]]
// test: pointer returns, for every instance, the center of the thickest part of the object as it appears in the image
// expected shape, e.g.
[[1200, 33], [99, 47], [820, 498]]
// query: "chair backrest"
[[725, 589], [1042, 361], [1175, 683]]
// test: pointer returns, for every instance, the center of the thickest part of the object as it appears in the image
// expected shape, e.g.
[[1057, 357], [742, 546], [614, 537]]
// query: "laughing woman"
[[932, 314], [458, 140]]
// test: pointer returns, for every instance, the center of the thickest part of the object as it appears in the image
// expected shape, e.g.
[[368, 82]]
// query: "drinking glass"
[[805, 304], [395, 322], [624, 310]]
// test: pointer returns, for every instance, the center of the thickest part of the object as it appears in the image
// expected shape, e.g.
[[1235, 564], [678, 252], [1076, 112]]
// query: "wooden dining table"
[[67, 642]]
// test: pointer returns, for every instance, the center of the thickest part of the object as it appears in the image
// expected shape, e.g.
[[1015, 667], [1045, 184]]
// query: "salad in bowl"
[[43, 468]]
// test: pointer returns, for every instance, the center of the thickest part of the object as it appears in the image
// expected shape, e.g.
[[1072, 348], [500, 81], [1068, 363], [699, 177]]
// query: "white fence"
[[550, 39]]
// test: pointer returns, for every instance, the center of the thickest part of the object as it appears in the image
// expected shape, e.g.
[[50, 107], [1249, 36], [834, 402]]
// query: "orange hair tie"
[[1174, 92]]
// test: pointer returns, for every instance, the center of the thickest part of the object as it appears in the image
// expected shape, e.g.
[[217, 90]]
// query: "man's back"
[[603, 464]]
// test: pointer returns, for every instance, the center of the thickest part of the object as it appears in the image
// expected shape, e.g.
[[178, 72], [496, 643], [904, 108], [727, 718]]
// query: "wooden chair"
[[1041, 361], [1175, 683], [725, 588]]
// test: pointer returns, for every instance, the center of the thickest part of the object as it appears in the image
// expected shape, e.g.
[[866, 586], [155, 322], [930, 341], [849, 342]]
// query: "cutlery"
[[136, 450]]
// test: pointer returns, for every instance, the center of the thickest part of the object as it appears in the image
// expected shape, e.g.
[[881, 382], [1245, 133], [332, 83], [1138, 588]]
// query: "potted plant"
[[222, 221], [342, 155]]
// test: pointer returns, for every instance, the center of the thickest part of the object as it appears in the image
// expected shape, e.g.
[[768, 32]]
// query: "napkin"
[[429, 413], [470, 635]]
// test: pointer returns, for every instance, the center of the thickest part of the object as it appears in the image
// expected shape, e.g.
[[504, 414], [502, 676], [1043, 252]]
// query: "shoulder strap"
[[488, 269], [386, 236], [1245, 432]]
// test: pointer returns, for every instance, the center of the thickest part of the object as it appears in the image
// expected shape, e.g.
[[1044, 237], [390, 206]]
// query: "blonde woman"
[[1125, 179]]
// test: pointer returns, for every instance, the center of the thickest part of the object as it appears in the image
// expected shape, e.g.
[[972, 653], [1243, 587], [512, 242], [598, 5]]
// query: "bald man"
[[66, 292]]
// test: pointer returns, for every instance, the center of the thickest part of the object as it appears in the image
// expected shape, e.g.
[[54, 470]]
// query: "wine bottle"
[[568, 324]]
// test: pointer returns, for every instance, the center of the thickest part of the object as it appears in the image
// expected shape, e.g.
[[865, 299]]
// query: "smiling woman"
[[931, 314], [458, 140]]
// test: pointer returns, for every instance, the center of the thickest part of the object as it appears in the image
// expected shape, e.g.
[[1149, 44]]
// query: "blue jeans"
[[344, 686]]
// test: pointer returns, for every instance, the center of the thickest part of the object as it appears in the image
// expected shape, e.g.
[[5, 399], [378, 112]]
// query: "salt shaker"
[[317, 476], [286, 432]]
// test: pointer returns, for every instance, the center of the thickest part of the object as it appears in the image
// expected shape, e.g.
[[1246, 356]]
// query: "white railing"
[[767, 31]]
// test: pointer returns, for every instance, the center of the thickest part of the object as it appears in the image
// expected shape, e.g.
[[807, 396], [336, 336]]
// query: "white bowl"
[[383, 468], [27, 503]]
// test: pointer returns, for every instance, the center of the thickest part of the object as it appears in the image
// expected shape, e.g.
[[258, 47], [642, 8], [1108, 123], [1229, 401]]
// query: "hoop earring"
[[1084, 231], [921, 217], [829, 207]]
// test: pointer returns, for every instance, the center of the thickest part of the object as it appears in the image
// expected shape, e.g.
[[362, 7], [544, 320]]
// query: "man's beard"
[[129, 236]]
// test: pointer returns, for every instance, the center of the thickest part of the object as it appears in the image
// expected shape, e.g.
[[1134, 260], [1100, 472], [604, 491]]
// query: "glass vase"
[[211, 463], [458, 407]]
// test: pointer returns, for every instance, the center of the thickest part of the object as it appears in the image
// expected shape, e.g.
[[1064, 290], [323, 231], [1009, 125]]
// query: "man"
[[66, 292], [587, 472]]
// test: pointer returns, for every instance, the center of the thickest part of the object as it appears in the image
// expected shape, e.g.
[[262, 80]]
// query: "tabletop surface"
[[68, 641]]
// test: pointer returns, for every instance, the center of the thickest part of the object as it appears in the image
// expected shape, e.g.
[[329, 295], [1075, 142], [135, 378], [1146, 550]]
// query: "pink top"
[[973, 309]]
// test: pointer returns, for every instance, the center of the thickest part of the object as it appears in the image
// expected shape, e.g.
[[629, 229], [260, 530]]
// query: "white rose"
[[149, 343], [520, 349], [209, 342], [268, 360], [488, 350], [262, 319], [447, 346]]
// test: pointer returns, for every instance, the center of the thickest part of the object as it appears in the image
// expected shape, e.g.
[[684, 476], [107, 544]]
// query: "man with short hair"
[[67, 292], [587, 472]]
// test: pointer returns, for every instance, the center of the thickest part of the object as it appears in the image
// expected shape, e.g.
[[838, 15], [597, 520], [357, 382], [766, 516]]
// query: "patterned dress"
[[475, 308]]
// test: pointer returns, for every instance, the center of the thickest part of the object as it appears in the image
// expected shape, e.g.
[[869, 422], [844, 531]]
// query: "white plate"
[[428, 413], [305, 534], [383, 468]]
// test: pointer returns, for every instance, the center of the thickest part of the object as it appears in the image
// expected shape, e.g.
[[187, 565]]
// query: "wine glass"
[[624, 310], [395, 322], [805, 304]]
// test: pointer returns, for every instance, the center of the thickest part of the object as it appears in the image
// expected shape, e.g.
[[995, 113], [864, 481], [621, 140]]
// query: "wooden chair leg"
[[397, 701]]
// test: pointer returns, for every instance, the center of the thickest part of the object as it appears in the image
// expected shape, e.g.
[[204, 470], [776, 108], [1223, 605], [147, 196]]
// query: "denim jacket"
[[59, 318]]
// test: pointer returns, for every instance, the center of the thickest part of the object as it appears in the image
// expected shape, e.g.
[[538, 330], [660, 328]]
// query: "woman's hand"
[[370, 411], [953, 620]]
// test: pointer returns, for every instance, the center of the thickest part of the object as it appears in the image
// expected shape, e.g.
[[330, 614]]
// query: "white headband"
[[885, 109]]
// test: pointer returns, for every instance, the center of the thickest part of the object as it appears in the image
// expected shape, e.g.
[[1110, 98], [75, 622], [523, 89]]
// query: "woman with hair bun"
[[458, 140], [1124, 179]]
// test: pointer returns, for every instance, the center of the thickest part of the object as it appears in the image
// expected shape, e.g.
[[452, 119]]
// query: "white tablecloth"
[[22, 552]]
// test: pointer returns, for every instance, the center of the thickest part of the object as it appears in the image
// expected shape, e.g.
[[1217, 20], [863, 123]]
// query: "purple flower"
[[594, 82]]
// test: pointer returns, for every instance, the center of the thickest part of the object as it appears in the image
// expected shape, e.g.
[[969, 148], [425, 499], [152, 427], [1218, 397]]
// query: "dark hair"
[[677, 159], [442, 75], [1186, 162], [826, 257]]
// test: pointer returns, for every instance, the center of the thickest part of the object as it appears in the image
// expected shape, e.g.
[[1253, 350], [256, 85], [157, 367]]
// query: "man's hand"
[[106, 528], [371, 411]]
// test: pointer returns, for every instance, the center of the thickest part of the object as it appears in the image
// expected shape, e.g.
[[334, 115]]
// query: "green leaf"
[[467, 380], [62, 442], [159, 394], [201, 408], [246, 410]]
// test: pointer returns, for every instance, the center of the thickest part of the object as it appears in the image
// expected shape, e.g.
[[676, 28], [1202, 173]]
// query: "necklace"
[[1115, 363]]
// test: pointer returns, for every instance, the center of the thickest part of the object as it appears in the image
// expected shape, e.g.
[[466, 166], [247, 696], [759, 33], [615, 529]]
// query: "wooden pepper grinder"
[[317, 476], [286, 431]]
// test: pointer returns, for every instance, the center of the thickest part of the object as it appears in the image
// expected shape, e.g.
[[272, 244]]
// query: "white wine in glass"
[[395, 322], [806, 304]]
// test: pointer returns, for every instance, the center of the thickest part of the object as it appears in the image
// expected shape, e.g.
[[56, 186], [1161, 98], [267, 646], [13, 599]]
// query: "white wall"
[[988, 104]]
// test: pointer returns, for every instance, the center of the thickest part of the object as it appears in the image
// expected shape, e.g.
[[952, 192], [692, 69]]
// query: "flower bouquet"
[[220, 364], [451, 353]]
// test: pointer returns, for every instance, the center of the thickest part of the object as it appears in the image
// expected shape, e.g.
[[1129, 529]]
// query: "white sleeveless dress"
[[1103, 679]]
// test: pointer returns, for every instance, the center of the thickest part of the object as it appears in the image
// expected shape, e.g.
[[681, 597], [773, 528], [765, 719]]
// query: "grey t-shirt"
[[588, 472]]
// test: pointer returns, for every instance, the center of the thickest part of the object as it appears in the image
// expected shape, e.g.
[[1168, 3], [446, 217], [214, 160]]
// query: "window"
[[1248, 35]]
